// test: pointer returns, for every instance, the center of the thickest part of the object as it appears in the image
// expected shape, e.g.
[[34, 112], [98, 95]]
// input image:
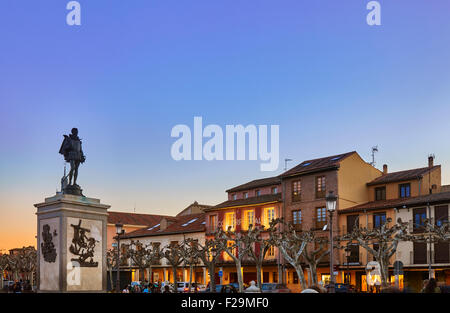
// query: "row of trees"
[[19, 265], [298, 248]]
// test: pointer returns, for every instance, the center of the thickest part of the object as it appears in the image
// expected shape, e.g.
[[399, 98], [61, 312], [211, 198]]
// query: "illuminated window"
[[227, 257], [230, 221], [274, 190], [270, 252], [269, 215], [245, 195], [249, 219], [320, 187], [296, 190], [234, 196]]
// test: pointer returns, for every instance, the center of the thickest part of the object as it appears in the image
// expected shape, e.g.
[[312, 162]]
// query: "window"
[[249, 219], [258, 192], [270, 252], [245, 195], [419, 252], [269, 215], [297, 217], [321, 217], [234, 197], [380, 193], [212, 223], [230, 221], [320, 187], [441, 214], [274, 190], [173, 243], [233, 251], [296, 190], [419, 219], [379, 219], [354, 253], [404, 190], [352, 222]]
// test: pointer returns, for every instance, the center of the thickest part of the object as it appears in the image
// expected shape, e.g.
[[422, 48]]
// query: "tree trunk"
[[191, 267], [150, 274], [258, 275], [212, 277], [239, 276], [175, 283], [111, 278], [301, 276], [384, 269], [312, 274]]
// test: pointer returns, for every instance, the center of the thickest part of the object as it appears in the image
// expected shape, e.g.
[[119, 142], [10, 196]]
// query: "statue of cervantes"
[[73, 154]]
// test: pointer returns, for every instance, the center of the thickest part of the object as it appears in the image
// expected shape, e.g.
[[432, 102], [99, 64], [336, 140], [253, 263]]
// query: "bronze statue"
[[73, 154], [47, 247], [82, 246]]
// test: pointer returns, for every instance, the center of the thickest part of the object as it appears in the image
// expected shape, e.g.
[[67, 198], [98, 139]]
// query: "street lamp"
[[119, 232], [331, 200]]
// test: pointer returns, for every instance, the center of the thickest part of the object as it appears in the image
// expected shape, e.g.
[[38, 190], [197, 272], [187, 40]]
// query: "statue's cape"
[[65, 145]]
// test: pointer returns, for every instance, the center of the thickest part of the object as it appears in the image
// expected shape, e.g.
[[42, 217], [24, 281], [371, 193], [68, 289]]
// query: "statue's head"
[[75, 131]]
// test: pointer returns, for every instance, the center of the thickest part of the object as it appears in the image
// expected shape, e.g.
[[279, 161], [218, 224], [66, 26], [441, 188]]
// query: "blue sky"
[[134, 69]]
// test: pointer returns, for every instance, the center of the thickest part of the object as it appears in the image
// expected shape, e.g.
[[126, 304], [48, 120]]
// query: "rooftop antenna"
[[374, 150], [285, 163], [135, 207]]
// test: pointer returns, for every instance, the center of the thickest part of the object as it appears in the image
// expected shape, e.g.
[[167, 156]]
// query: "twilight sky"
[[134, 69]]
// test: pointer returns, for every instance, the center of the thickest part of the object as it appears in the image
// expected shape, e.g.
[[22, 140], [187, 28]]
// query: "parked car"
[[184, 286], [342, 288], [201, 288], [274, 288]]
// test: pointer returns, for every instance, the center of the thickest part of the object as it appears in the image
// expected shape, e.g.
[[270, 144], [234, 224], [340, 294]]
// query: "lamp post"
[[331, 200], [119, 232]]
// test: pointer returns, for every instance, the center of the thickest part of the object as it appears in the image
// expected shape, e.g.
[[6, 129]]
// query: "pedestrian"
[[167, 289], [424, 285], [432, 287]]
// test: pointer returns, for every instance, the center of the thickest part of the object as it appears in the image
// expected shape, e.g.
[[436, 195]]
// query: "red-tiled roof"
[[315, 165], [436, 198], [402, 175], [257, 183], [135, 218], [248, 201], [181, 224]]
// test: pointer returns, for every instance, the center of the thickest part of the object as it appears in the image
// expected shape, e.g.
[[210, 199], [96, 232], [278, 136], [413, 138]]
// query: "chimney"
[[164, 223], [430, 160], [385, 169]]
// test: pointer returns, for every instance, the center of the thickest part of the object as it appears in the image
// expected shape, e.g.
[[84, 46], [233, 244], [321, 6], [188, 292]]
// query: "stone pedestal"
[[71, 244]]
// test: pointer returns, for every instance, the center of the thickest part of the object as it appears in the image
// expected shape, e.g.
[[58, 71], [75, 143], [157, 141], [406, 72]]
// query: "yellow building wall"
[[353, 175], [418, 187], [365, 220]]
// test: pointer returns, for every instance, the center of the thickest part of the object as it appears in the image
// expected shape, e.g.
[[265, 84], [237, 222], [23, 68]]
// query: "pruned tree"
[[257, 248], [233, 244], [291, 244], [137, 253], [111, 263], [313, 254], [153, 255], [189, 254], [385, 237], [174, 256], [209, 254], [4, 265]]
